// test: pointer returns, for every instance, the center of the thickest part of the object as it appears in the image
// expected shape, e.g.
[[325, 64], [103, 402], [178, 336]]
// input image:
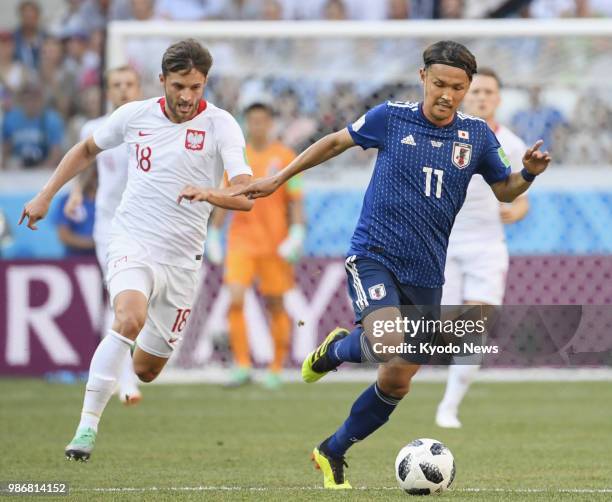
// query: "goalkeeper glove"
[[291, 248], [214, 250]]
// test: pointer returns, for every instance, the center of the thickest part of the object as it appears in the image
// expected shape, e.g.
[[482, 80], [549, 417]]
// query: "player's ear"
[[162, 79], [422, 73]]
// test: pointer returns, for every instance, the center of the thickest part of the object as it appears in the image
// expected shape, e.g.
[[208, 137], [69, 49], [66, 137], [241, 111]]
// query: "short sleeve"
[[89, 128], [369, 130], [516, 154], [494, 165], [112, 132], [233, 149]]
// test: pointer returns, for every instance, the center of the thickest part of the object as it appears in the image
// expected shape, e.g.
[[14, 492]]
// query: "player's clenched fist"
[[35, 210], [535, 161], [192, 194], [260, 188]]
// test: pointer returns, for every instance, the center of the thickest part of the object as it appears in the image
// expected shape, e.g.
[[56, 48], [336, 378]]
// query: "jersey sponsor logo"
[[140, 133], [377, 292], [463, 134], [194, 139], [409, 140], [436, 144], [358, 124], [503, 157], [462, 154]]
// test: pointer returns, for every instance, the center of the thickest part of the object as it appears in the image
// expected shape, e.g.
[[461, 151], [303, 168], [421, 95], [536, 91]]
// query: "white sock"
[[128, 381], [104, 371], [460, 377]]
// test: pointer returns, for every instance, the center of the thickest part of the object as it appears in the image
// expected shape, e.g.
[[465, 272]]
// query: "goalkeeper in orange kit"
[[261, 247]]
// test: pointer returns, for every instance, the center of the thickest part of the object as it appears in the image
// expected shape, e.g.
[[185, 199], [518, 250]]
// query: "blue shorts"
[[371, 285]]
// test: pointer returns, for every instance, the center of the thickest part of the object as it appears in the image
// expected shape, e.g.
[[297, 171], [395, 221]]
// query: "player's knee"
[[128, 324]]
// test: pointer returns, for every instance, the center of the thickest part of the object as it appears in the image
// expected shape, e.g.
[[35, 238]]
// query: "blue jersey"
[[418, 186]]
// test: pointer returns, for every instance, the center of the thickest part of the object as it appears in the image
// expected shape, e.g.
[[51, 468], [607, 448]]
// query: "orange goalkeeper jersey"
[[261, 230]]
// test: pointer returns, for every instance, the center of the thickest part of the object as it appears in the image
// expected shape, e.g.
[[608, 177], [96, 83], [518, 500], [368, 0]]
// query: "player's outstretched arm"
[[220, 197], [535, 162], [326, 148], [76, 160]]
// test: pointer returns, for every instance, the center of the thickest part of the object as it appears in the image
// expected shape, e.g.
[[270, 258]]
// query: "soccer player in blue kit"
[[427, 153]]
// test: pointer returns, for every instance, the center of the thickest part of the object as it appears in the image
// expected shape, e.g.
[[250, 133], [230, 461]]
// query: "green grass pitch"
[[520, 441]]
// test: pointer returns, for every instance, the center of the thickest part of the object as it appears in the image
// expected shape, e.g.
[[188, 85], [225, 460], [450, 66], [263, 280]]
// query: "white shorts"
[[170, 292], [475, 272], [101, 237]]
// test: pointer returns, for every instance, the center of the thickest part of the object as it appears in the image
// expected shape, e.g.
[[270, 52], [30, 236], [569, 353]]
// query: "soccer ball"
[[424, 466]]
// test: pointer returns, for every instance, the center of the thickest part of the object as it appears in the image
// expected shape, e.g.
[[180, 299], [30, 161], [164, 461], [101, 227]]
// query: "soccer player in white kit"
[[175, 142], [122, 86], [477, 260]]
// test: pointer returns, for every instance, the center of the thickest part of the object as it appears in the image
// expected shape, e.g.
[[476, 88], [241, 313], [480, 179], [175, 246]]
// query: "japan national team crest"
[[377, 292], [194, 140], [462, 154]]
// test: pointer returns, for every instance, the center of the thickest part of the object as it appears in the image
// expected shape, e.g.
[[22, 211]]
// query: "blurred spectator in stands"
[[142, 10], [119, 10], [32, 133], [451, 9], [81, 64], [242, 10], [189, 10], [558, 8], [89, 107], [272, 10], [539, 121], [29, 35], [57, 89], [600, 8], [77, 15], [335, 10], [423, 9], [296, 129], [12, 72], [398, 9], [76, 232], [301, 10]]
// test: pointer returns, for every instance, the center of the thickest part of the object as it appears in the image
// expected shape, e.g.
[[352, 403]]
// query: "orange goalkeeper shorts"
[[272, 275]]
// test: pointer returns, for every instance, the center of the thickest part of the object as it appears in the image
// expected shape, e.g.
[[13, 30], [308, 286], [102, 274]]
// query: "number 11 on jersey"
[[439, 173]]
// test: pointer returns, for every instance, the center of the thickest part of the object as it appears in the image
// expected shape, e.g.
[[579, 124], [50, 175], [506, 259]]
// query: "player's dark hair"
[[119, 69], [450, 53], [489, 72], [184, 56], [259, 106]]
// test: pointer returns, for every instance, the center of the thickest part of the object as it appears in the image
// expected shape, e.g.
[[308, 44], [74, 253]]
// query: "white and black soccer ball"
[[424, 466]]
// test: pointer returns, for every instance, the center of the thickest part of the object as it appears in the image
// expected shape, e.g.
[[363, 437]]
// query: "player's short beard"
[[173, 105]]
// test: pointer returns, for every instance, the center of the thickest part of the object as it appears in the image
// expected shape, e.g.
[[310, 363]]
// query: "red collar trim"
[[162, 104]]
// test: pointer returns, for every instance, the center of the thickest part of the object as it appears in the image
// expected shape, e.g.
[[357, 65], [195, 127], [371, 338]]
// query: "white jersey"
[[163, 158], [479, 219], [112, 178]]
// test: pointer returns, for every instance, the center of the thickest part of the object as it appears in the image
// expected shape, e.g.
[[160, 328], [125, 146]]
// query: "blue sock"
[[347, 350], [370, 411]]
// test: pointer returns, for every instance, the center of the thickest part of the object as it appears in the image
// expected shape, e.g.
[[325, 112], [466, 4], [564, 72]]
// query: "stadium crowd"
[[50, 72]]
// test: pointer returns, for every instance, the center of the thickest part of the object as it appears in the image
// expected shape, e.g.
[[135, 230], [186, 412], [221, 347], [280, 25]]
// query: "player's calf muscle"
[[394, 377], [147, 366]]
